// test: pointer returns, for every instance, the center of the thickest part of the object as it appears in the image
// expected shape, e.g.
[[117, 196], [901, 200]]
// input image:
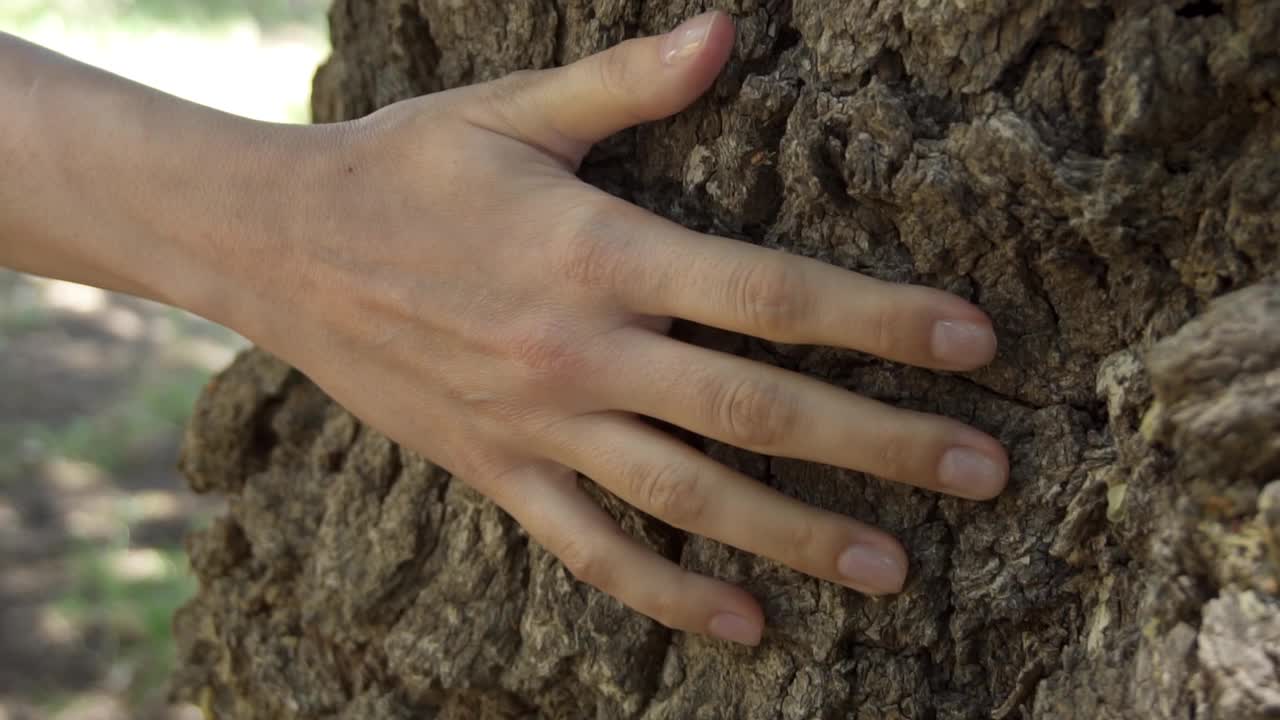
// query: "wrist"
[[269, 193], [116, 185]]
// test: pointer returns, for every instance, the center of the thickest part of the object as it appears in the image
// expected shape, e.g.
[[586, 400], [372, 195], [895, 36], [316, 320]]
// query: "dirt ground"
[[94, 391]]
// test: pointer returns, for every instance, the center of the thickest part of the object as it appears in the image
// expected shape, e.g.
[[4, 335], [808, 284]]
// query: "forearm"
[[109, 183]]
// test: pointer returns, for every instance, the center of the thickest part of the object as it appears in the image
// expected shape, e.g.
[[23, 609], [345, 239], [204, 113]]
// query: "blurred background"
[[95, 388]]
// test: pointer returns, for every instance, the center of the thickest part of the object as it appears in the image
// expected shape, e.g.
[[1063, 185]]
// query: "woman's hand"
[[440, 271], [462, 291]]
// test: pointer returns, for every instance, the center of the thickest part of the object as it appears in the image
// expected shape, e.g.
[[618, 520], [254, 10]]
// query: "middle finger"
[[777, 412]]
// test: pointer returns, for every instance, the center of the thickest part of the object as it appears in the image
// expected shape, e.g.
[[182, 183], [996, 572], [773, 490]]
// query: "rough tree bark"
[[1102, 177]]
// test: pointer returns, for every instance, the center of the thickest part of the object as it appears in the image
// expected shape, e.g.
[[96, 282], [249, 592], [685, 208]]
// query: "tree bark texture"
[[1102, 177]]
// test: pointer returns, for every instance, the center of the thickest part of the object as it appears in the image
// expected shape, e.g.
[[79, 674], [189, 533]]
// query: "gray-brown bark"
[[1093, 174]]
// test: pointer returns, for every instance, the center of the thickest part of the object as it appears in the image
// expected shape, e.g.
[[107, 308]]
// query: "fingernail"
[[870, 567], [963, 344], [967, 472], [685, 41], [735, 628]]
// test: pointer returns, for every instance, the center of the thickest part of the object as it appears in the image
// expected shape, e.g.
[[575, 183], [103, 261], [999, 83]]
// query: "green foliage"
[[21, 310], [12, 464], [132, 612], [111, 440]]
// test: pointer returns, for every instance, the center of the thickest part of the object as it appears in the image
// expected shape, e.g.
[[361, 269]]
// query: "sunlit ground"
[[95, 387]]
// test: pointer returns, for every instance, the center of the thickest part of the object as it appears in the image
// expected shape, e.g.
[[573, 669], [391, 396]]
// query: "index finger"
[[656, 267]]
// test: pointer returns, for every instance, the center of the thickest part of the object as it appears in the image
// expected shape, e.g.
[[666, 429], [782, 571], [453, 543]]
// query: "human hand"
[[456, 286]]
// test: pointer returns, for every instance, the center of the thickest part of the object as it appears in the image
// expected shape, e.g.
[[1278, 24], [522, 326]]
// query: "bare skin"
[[439, 270]]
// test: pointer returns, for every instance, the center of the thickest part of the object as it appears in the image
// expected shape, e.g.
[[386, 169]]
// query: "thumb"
[[567, 110]]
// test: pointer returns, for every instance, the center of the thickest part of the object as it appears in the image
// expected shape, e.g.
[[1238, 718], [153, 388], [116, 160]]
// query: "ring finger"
[[684, 488]]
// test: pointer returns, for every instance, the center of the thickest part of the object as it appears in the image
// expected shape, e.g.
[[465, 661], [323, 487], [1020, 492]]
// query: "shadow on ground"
[[94, 391]]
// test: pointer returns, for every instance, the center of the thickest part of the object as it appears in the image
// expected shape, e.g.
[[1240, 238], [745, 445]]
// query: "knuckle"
[[801, 540], [670, 492], [772, 298], [757, 414], [894, 457], [589, 256], [510, 89], [585, 564], [666, 608], [614, 74], [504, 102], [549, 351]]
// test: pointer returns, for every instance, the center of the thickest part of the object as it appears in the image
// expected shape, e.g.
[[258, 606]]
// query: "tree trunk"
[[1103, 178]]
